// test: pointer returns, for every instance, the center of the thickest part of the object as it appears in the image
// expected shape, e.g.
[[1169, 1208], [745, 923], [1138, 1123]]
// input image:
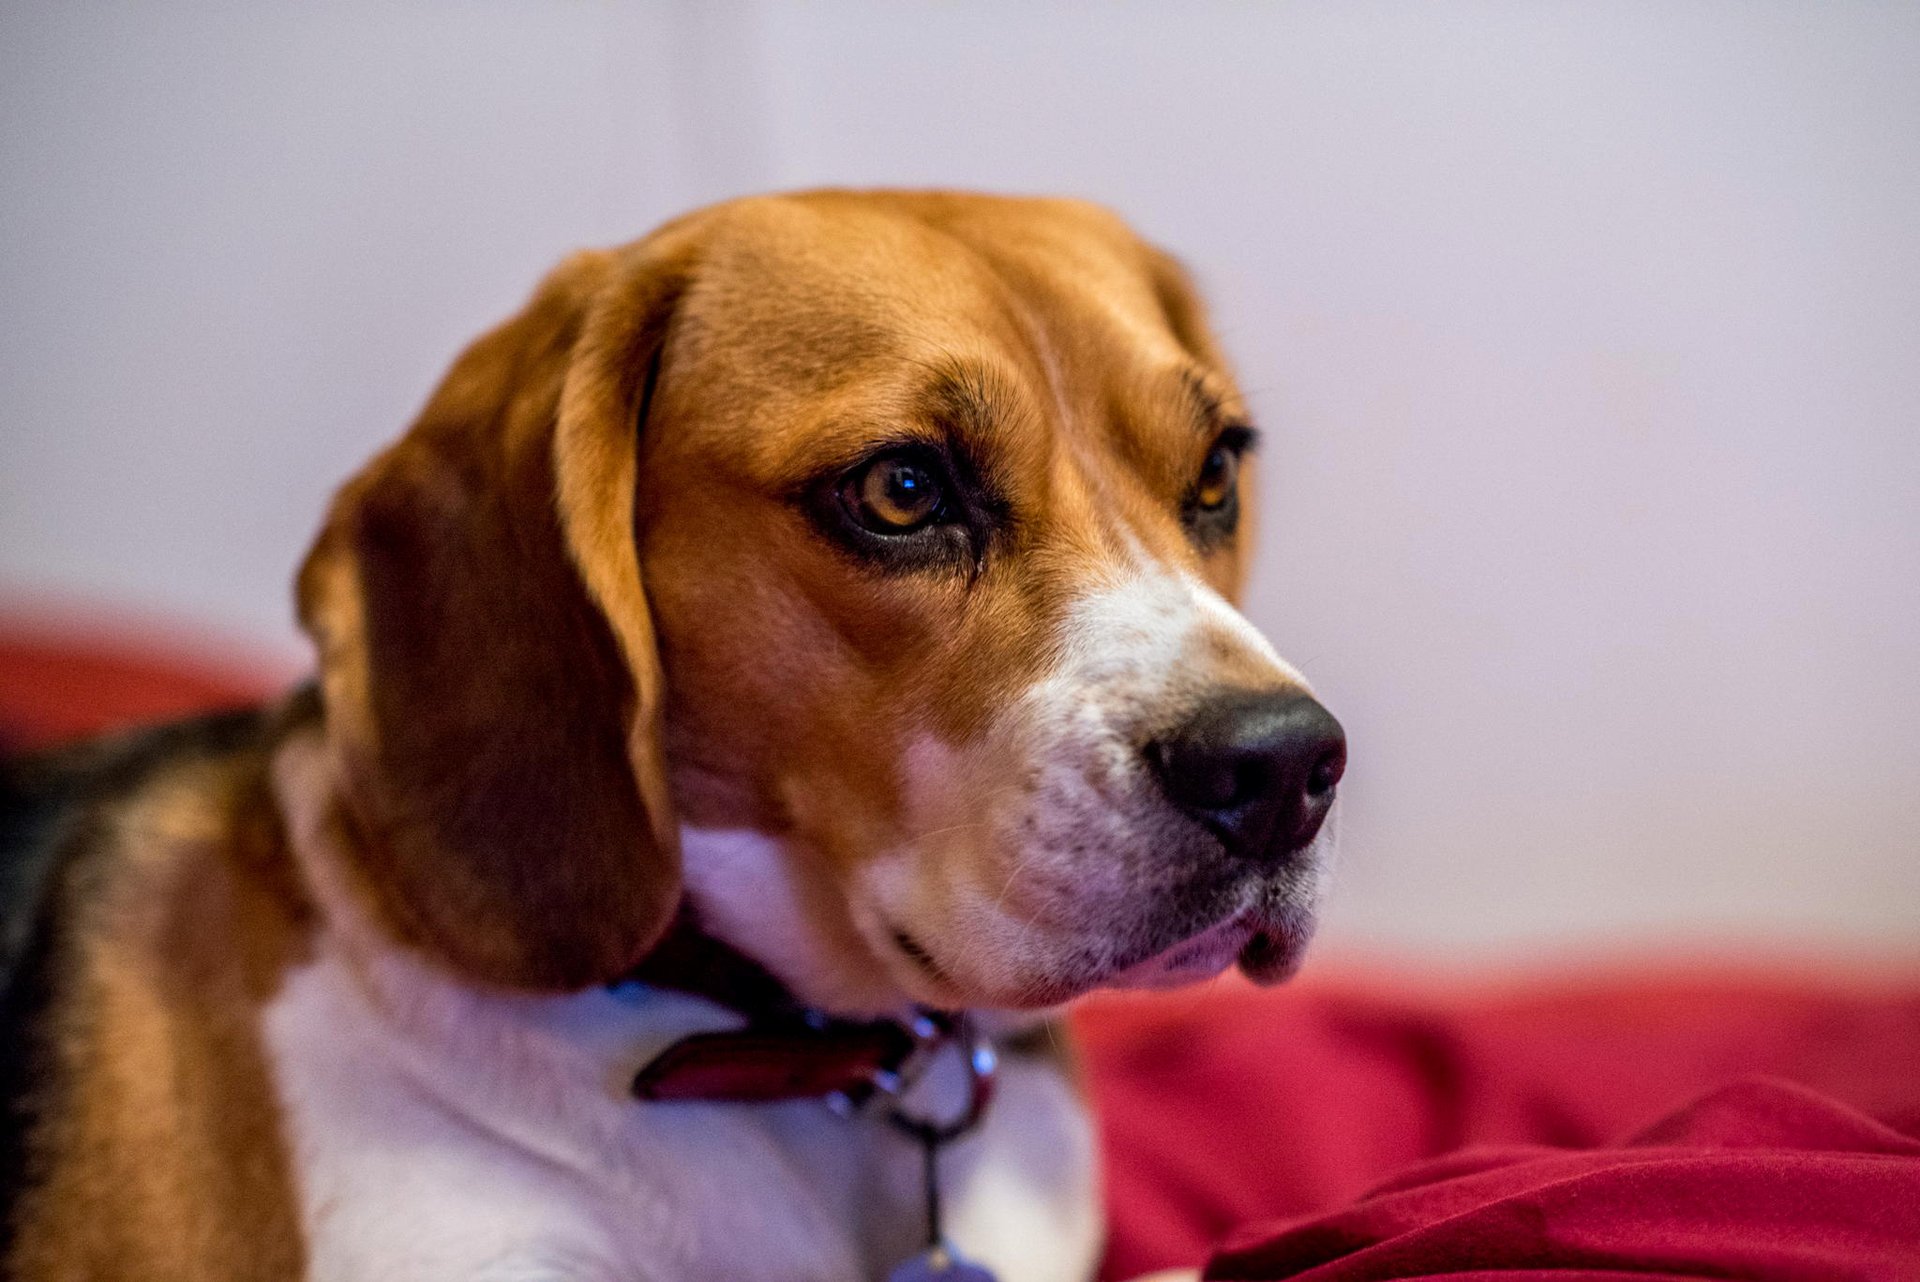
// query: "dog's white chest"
[[440, 1133]]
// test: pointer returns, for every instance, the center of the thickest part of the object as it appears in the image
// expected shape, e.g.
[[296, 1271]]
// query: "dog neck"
[[748, 892], [688, 959]]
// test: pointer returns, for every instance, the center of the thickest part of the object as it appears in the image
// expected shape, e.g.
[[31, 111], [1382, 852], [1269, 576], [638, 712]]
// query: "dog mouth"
[[1267, 947], [1196, 958], [1202, 930], [923, 960]]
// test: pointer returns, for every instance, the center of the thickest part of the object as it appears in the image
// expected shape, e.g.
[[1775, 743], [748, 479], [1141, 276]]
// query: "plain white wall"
[[1586, 339]]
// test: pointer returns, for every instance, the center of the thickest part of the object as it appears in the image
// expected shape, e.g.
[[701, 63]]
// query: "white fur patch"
[[1218, 612], [440, 1133], [748, 893]]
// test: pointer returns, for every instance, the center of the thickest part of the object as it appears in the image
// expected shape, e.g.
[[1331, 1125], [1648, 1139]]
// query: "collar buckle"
[[935, 1031]]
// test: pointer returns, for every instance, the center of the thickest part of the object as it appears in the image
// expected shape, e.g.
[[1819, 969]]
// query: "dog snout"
[[1257, 769]]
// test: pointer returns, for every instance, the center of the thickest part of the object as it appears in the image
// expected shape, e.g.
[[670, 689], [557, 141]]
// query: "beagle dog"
[[791, 658]]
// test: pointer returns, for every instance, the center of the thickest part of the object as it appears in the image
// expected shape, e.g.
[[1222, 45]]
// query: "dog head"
[[856, 565]]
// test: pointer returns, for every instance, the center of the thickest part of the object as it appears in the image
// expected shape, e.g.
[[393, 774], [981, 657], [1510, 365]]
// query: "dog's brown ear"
[[488, 667]]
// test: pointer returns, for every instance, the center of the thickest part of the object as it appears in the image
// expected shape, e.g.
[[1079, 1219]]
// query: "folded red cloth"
[[1762, 1180], [1233, 1106]]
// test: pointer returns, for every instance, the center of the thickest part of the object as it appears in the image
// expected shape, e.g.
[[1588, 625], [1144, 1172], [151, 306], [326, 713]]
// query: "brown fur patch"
[[155, 1150]]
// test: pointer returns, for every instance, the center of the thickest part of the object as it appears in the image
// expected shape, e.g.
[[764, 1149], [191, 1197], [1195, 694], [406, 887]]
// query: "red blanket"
[[1762, 1179], [1236, 1107]]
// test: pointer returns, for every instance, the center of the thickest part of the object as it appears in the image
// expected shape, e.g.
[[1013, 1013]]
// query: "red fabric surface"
[[56, 686], [1236, 1106], [1761, 1179]]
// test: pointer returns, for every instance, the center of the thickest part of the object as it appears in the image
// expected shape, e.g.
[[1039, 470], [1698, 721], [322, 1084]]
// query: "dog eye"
[[1219, 479], [1211, 507], [894, 494]]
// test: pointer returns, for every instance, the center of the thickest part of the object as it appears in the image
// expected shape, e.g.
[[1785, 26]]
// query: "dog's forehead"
[[925, 258], [826, 314]]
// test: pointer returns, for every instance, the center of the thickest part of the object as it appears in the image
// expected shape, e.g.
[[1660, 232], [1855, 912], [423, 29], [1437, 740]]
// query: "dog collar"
[[788, 1051], [804, 1056]]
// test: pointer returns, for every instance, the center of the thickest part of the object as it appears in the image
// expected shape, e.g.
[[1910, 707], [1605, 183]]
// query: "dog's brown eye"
[[1219, 477], [895, 494]]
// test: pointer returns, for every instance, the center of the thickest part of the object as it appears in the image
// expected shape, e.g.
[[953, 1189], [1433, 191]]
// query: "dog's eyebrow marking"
[[973, 404], [1210, 407], [1203, 397], [969, 399], [956, 407]]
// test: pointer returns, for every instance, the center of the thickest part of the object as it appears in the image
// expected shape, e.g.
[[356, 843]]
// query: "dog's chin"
[[1275, 951]]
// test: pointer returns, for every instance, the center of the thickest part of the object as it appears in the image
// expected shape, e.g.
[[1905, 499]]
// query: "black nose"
[[1257, 769]]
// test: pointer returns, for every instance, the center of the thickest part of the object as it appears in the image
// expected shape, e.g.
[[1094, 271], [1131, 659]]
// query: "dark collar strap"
[[689, 960], [785, 1051], [762, 1065]]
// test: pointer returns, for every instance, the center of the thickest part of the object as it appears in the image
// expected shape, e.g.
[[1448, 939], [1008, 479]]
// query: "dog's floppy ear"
[[488, 666]]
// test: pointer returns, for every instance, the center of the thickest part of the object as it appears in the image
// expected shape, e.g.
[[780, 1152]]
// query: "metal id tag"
[[939, 1264]]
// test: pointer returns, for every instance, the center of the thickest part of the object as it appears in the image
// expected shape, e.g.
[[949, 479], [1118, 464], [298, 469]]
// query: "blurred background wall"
[[1586, 339]]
